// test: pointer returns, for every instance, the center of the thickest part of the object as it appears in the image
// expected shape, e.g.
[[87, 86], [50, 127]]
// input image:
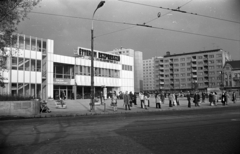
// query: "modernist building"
[[149, 74], [138, 66], [231, 75], [186, 71], [34, 70]]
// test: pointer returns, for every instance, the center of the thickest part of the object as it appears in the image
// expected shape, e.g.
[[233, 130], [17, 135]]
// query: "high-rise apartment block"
[[180, 72], [138, 65]]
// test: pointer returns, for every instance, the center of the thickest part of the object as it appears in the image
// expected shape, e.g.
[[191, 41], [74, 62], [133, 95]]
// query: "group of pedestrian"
[[173, 99], [131, 98]]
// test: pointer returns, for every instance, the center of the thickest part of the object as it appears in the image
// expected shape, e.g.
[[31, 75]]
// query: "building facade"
[[231, 75], [34, 70], [149, 75], [138, 66], [186, 71]]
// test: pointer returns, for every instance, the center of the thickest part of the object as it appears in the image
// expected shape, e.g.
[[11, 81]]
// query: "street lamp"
[[92, 56]]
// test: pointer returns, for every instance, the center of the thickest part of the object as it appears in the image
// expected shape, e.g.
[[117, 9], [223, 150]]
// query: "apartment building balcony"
[[194, 70], [161, 82], [194, 75], [194, 64], [194, 59]]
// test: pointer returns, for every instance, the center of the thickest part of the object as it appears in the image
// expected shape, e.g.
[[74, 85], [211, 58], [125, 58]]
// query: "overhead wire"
[[134, 24], [144, 22], [180, 11]]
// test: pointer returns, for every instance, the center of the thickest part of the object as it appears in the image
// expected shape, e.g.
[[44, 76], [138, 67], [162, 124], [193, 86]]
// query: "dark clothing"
[[177, 101], [189, 100], [158, 105], [196, 99], [224, 98]]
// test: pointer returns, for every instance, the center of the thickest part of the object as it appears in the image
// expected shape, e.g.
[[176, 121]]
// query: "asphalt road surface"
[[213, 131]]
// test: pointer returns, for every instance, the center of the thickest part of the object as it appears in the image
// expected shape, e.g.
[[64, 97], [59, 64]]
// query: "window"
[[211, 61], [188, 64], [182, 64], [200, 68], [183, 80], [211, 56], [219, 55], [176, 60], [219, 66], [211, 73], [200, 57], [189, 58], [200, 62], [182, 59], [219, 61], [182, 74], [176, 70], [211, 67], [189, 69], [166, 61], [188, 74], [183, 69], [200, 73]]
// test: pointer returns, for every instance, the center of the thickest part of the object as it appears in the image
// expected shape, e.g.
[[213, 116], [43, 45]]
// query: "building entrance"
[[63, 92]]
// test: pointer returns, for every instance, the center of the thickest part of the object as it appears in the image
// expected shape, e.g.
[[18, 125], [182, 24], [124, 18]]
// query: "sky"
[[74, 30]]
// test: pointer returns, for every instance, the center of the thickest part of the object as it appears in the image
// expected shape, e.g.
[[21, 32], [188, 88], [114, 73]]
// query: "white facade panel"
[[33, 77], [39, 55], [27, 77], [14, 76], [27, 54], [33, 54], [39, 77], [20, 76]]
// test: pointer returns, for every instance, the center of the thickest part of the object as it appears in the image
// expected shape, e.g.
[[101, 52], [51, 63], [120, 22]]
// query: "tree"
[[12, 12]]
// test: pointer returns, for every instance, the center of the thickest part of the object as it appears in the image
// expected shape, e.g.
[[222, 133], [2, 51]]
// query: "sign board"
[[105, 56], [61, 81]]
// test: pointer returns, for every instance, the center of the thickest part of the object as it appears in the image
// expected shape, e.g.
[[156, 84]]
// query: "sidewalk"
[[81, 107]]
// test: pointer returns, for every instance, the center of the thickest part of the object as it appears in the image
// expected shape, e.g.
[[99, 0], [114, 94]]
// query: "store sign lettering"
[[61, 81]]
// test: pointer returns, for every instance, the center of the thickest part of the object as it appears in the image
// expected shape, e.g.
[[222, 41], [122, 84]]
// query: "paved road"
[[214, 130]]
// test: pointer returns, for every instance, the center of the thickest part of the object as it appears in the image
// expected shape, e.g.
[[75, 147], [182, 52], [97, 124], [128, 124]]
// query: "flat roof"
[[190, 53]]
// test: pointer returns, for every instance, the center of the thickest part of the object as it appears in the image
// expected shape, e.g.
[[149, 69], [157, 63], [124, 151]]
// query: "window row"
[[26, 64], [126, 67]]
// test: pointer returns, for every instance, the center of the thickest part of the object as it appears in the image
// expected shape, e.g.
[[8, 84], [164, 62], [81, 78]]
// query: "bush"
[[14, 98]]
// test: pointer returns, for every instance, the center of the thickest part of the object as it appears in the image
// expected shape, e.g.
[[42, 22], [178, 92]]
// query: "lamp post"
[[92, 56]]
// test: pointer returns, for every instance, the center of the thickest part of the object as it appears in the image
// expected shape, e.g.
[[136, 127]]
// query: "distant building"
[[184, 71], [149, 75], [138, 66], [231, 75]]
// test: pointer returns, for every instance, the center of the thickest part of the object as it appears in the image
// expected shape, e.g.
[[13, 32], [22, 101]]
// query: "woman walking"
[[114, 101], [145, 101], [158, 101]]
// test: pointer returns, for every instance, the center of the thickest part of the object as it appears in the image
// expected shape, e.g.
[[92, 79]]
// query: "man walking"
[[234, 97], [126, 100], [196, 99], [141, 96], [189, 99]]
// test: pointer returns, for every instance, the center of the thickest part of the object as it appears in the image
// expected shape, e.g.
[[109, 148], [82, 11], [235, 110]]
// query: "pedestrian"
[[223, 98], [189, 99], [176, 98], [170, 100], [227, 97], [210, 97], [145, 100], [148, 96], [196, 99], [126, 100], [215, 98], [131, 98], [234, 97], [114, 101], [162, 98], [141, 97], [203, 97], [158, 101]]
